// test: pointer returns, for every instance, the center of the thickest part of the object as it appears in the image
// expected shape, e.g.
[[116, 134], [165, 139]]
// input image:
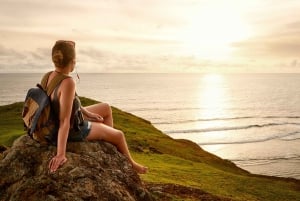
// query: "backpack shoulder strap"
[[45, 80], [54, 82]]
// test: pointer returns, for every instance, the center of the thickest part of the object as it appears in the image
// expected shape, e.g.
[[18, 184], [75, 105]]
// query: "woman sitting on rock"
[[97, 122]]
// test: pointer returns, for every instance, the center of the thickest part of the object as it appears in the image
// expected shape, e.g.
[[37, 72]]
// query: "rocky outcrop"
[[94, 171]]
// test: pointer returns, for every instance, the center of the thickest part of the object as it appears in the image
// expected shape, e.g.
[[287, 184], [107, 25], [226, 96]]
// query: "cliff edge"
[[94, 171]]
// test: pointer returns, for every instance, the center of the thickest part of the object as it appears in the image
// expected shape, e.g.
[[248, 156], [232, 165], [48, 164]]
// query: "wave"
[[290, 139], [266, 161], [245, 141], [228, 128], [202, 119], [224, 119], [164, 109], [275, 158]]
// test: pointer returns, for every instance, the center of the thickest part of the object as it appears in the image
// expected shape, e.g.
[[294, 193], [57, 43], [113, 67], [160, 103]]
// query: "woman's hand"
[[95, 117], [56, 162], [91, 116]]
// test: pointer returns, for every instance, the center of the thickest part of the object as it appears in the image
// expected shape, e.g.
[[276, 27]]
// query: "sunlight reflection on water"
[[212, 96]]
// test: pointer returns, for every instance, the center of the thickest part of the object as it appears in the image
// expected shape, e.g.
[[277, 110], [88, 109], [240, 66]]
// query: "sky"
[[153, 36]]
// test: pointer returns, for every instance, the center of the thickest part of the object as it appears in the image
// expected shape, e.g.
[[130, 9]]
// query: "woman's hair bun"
[[63, 52], [57, 58]]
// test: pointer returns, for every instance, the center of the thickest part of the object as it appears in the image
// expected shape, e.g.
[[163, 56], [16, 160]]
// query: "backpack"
[[38, 115]]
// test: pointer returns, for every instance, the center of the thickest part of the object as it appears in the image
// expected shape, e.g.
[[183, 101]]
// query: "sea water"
[[251, 119]]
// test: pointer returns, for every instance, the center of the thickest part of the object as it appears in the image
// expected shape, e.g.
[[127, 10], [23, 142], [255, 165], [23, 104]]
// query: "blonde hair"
[[63, 52]]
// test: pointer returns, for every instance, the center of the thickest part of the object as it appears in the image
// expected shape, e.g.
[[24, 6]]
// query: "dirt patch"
[[165, 192]]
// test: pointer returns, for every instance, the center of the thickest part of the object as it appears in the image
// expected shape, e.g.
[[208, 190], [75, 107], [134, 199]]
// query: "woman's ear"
[[72, 62]]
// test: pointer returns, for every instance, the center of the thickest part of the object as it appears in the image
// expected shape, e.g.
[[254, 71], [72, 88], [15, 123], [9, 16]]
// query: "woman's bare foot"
[[139, 168]]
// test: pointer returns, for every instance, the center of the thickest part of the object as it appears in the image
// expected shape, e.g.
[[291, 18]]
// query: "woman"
[[98, 119]]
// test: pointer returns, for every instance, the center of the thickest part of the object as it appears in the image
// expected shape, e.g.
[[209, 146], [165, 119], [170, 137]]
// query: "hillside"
[[179, 169]]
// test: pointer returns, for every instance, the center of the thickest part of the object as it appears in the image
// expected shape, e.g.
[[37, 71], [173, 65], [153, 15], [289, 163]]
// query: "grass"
[[11, 125], [175, 161]]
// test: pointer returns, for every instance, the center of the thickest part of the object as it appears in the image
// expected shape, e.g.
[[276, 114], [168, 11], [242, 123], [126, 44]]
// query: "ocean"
[[251, 119]]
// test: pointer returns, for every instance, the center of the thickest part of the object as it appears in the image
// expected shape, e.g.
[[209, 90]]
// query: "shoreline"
[[188, 165], [241, 166]]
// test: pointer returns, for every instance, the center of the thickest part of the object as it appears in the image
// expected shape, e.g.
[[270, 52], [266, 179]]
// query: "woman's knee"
[[105, 108], [120, 135], [108, 108], [115, 136]]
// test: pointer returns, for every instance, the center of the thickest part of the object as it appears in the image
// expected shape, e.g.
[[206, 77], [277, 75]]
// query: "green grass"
[[11, 125], [175, 161]]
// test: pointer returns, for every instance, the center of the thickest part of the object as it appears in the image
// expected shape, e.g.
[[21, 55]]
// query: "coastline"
[[239, 126], [187, 165]]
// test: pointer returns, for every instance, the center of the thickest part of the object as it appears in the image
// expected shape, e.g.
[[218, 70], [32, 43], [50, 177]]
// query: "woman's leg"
[[101, 131], [104, 110]]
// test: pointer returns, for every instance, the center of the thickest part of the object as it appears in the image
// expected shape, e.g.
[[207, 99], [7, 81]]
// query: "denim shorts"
[[80, 135]]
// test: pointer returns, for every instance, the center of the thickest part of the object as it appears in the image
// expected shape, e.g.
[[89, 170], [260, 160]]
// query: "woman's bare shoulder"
[[68, 84]]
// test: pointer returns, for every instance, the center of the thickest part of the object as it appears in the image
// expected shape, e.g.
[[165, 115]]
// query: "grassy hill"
[[178, 162]]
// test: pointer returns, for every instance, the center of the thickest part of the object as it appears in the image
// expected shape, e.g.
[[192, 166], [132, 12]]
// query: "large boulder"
[[94, 171]]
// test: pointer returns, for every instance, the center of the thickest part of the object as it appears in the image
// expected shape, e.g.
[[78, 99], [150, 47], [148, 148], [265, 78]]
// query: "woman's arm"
[[65, 95]]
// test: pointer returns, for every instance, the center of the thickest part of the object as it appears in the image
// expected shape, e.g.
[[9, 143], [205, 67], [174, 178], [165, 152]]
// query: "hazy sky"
[[153, 35]]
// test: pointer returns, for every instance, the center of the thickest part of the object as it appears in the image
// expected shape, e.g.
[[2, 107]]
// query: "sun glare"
[[209, 33], [212, 95]]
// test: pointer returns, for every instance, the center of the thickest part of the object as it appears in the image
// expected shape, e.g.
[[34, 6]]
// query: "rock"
[[94, 171], [2, 149]]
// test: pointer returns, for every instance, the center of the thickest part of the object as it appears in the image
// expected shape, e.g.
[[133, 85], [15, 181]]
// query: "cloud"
[[107, 61], [24, 61], [9, 53], [283, 42], [9, 58], [146, 36]]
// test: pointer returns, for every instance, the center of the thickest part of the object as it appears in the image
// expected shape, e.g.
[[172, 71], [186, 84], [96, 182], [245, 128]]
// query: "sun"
[[210, 33]]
